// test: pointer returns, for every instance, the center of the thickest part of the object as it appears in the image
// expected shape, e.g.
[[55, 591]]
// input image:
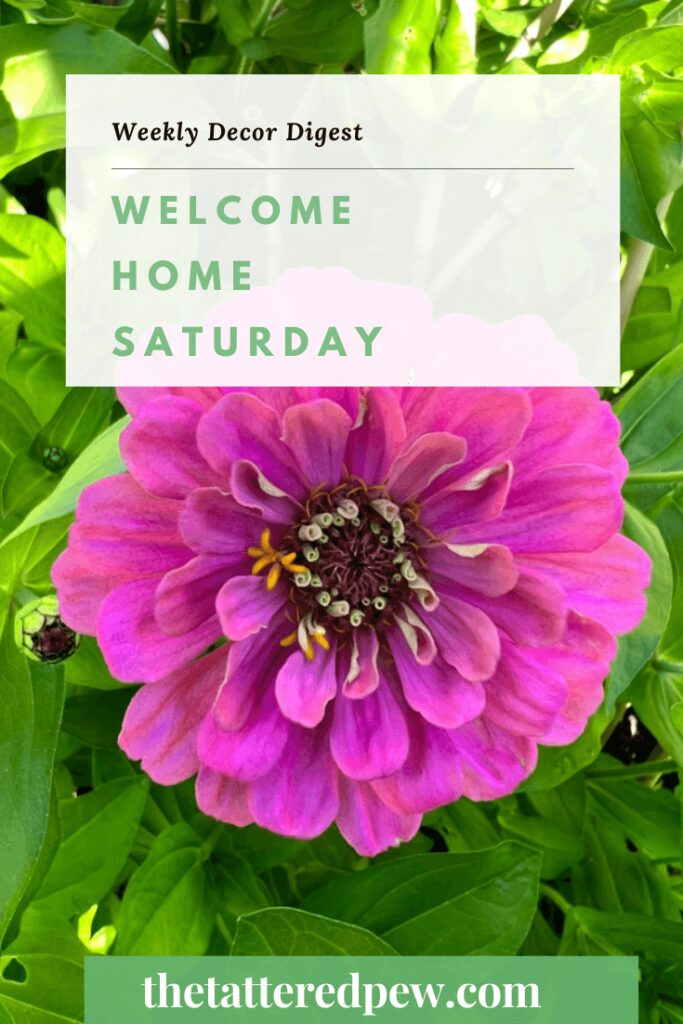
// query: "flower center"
[[351, 561], [361, 557]]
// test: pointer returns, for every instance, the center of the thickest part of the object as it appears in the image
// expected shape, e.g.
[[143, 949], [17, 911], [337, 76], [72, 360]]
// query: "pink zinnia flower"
[[418, 587]]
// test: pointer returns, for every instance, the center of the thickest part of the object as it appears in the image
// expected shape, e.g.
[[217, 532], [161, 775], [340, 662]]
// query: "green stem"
[[555, 897], [264, 15], [245, 65], [634, 770], [672, 476], [172, 29], [662, 665]]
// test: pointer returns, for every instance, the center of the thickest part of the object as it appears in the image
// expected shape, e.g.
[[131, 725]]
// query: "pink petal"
[[493, 762], [135, 399], [566, 508], [160, 449], [466, 638], [125, 533], [162, 720], [374, 444], [245, 605], [417, 635], [366, 822], [186, 596], [213, 523], [316, 435], [436, 691], [252, 667], [607, 587], [369, 737], [451, 510], [487, 569], [223, 798], [430, 776], [134, 647], [426, 460], [304, 688], [250, 751], [361, 676], [299, 797], [491, 420], [80, 591], [241, 428], [253, 490], [583, 658], [526, 692], [533, 612], [280, 399], [593, 437]]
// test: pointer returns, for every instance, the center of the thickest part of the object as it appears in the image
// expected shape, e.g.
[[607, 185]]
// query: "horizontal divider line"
[[342, 168]]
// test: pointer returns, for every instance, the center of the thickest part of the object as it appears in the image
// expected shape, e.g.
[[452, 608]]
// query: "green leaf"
[[648, 337], [78, 420], [318, 34], [651, 818], [650, 163], [53, 835], [281, 931], [32, 122], [652, 429], [659, 47], [453, 45], [19, 426], [25, 484], [100, 459], [551, 821], [466, 826], [169, 907], [638, 646], [612, 877], [88, 668], [235, 20], [95, 718], [594, 933], [32, 700], [98, 830], [398, 37], [26, 560], [668, 515], [32, 272], [238, 889], [51, 956], [569, 47], [594, 52], [452, 904], [657, 697], [37, 372]]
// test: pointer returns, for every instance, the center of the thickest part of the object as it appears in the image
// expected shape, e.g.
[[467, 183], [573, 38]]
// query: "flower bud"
[[40, 633], [55, 458]]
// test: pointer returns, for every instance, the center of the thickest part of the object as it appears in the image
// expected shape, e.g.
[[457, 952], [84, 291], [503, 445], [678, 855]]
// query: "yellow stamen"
[[308, 652], [290, 640], [321, 640], [261, 564], [266, 555], [273, 576], [265, 542]]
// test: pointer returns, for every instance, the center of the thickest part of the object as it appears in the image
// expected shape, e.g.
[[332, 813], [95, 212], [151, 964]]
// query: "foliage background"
[[586, 857]]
